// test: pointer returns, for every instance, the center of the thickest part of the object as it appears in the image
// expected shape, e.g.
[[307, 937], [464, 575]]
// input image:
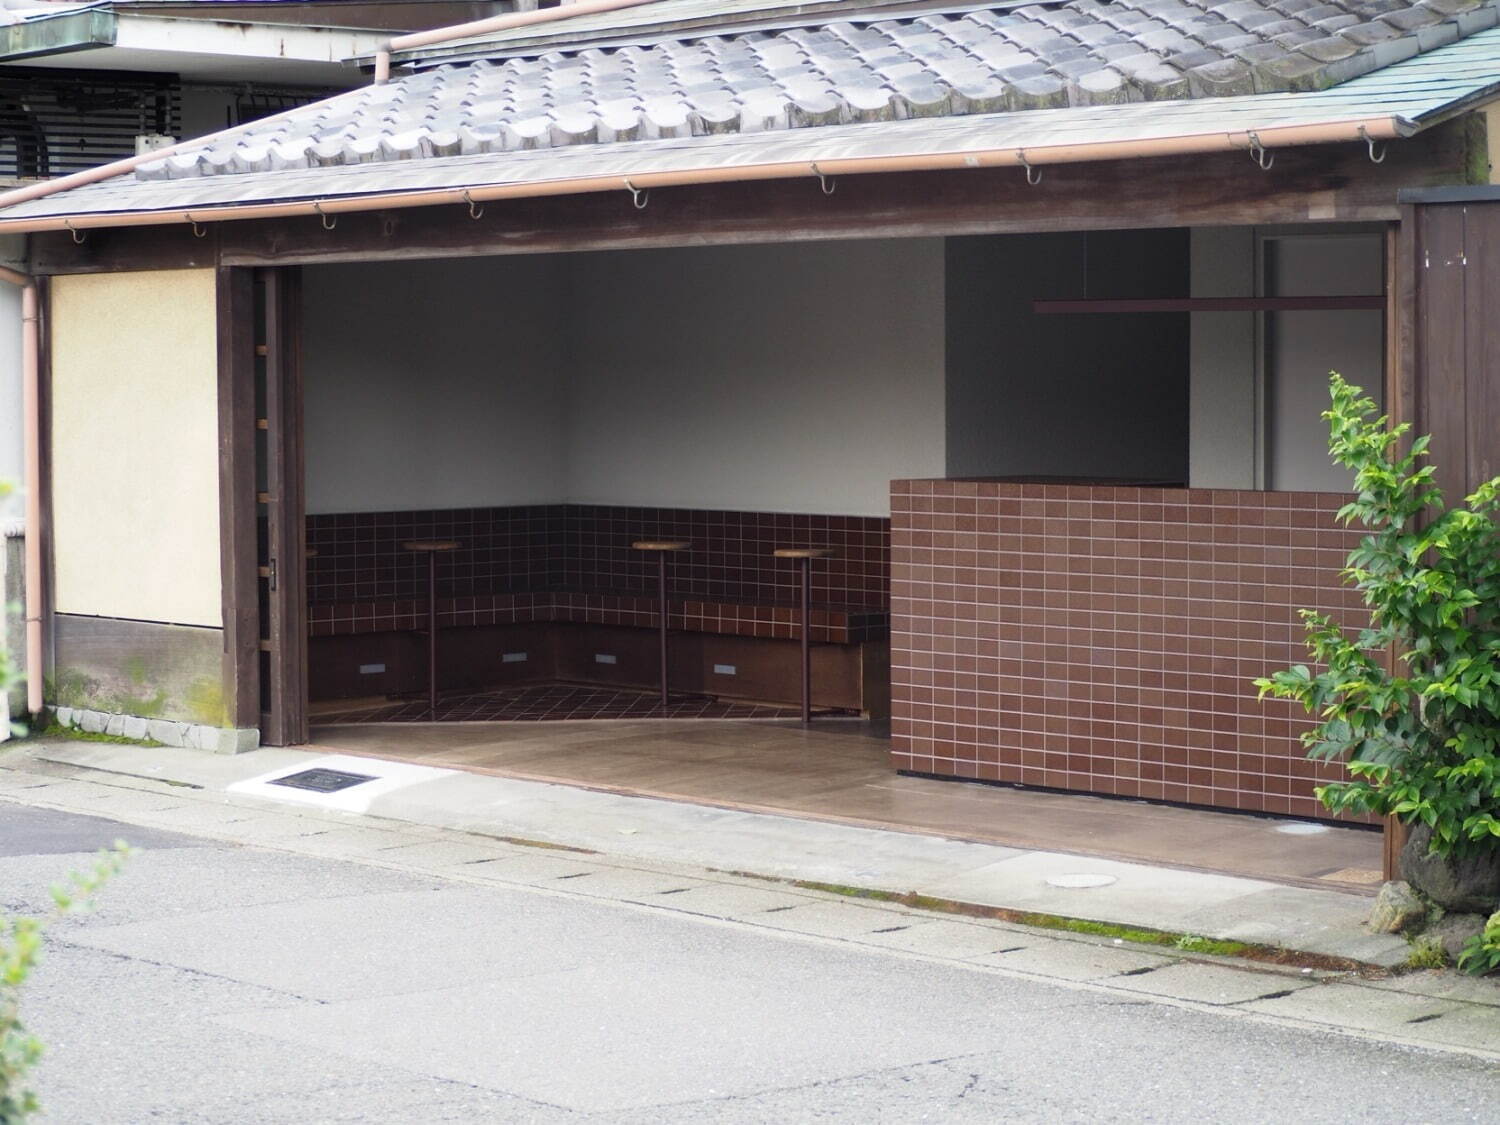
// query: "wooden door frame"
[[285, 576], [260, 331], [237, 502]]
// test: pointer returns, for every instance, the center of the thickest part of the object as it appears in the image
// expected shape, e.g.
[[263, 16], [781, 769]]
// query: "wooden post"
[[237, 502]]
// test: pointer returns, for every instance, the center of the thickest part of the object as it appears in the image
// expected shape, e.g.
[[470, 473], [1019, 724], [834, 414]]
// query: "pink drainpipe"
[[32, 427]]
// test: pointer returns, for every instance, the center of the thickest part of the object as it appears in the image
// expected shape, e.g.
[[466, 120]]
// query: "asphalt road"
[[220, 983]]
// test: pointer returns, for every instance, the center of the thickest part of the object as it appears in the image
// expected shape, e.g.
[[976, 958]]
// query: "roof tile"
[[1330, 49], [863, 69], [1223, 78]]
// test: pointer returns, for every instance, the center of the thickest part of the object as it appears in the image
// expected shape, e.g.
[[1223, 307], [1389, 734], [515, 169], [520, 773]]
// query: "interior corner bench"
[[830, 625]]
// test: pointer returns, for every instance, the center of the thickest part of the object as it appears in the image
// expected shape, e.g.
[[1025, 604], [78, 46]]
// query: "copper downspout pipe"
[[32, 429], [1032, 159], [493, 23]]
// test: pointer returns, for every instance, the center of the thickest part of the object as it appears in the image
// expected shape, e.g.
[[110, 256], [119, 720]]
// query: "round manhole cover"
[[1301, 829], [1081, 881]]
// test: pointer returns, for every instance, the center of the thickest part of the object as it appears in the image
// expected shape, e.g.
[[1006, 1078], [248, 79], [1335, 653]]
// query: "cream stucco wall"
[[135, 472]]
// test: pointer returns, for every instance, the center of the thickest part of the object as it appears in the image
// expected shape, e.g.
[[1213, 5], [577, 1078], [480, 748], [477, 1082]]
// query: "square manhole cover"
[[323, 781]]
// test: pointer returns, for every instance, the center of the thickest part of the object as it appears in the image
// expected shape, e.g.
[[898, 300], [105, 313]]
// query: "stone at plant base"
[[1467, 884], [1453, 932], [1397, 909]]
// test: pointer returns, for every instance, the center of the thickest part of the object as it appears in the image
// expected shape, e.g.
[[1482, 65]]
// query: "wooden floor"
[[839, 771]]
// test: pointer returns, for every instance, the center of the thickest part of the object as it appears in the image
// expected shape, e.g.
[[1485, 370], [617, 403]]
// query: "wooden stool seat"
[[432, 548], [803, 557], [662, 548]]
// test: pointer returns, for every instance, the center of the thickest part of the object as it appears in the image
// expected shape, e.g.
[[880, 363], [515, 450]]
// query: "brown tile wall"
[[586, 549], [732, 559], [359, 557], [829, 626], [1103, 639]]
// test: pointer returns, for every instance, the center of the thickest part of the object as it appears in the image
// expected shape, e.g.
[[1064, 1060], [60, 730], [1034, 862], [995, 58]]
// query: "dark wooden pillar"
[[284, 569], [237, 501], [1445, 345]]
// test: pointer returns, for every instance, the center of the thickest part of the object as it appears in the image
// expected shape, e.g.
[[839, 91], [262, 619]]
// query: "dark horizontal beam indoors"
[[1204, 304]]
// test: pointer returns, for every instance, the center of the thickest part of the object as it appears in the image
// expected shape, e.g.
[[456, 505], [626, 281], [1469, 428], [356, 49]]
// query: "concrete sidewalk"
[[1316, 921]]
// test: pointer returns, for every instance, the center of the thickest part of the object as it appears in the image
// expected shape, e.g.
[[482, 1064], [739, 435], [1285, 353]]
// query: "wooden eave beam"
[[1309, 184]]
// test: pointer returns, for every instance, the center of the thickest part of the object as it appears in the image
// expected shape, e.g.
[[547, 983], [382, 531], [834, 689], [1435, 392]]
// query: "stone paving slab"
[[636, 829], [1355, 1006], [830, 919], [732, 900], [428, 854], [1161, 898], [1210, 984], [1467, 1011], [1073, 960], [960, 940], [536, 869]]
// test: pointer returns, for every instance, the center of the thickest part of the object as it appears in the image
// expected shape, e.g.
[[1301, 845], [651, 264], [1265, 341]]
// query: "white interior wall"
[[1260, 382], [434, 384], [804, 377], [793, 378], [797, 378], [1303, 347], [1222, 448]]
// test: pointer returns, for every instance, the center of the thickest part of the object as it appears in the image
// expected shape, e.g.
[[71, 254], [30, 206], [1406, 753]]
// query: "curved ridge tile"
[[928, 64]]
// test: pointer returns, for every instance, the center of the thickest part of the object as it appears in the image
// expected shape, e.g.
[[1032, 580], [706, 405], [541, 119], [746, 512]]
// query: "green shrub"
[[1422, 741], [1481, 953]]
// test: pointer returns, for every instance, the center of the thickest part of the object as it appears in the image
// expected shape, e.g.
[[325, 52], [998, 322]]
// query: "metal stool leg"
[[805, 566], [432, 643], [661, 615]]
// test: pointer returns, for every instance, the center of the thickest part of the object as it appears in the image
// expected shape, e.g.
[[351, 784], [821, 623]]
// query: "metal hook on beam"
[[828, 184], [329, 221], [1259, 154], [78, 235], [638, 196], [476, 210], [1033, 173], [199, 230], [1364, 135]]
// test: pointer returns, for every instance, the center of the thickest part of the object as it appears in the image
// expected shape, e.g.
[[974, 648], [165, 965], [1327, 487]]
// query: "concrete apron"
[[1317, 921]]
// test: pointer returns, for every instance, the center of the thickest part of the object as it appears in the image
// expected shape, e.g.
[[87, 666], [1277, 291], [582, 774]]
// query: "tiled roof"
[[1413, 93], [23, 11], [983, 60]]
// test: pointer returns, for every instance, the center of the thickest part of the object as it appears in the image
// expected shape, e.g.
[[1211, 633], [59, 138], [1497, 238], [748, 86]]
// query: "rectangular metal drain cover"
[[323, 781]]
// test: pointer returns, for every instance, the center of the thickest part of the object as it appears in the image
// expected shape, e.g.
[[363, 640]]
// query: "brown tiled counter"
[[585, 547], [830, 625], [554, 579], [1103, 639]]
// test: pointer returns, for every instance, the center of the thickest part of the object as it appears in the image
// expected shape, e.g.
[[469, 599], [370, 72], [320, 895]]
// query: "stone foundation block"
[[191, 736]]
